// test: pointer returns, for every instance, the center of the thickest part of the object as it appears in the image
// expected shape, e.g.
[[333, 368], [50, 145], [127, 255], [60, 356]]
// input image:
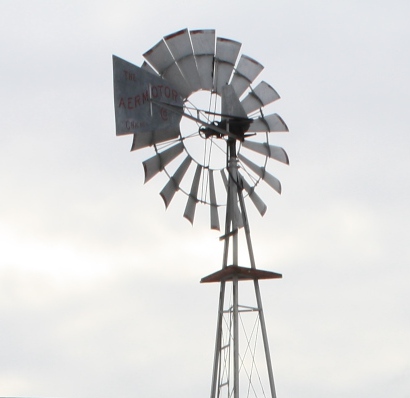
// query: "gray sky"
[[99, 289]]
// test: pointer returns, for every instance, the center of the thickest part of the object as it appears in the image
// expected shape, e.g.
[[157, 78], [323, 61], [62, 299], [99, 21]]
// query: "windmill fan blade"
[[189, 213], [263, 94], [147, 67], [226, 54], [261, 172], [270, 123], [173, 184], [174, 75], [203, 42], [180, 46], [213, 206], [257, 201], [154, 165], [142, 140], [274, 152], [245, 74], [160, 57]]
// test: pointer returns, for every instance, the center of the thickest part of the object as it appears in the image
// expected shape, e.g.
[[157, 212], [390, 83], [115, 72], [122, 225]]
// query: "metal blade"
[[133, 88], [173, 184], [226, 54], [159, 57], [245, 73], [270, 123], [142, 140], [190, 72], [274, 152], [261, 172], [213, 207], [263, 94], [189, 213], [180, 46], [257, 201], [203, 42], [147, 67], [174, 75], [155, 164]]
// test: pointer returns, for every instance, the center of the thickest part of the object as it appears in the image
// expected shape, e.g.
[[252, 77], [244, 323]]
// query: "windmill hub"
[[208, 132], [236, 125]]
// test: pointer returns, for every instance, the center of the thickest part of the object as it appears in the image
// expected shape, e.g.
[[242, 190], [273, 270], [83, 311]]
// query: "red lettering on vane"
[[130, 76], [167, 92], [164, 114], [144, 97], [133, 125]]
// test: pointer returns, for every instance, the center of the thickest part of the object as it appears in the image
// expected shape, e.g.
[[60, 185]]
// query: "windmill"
[[218, 146]]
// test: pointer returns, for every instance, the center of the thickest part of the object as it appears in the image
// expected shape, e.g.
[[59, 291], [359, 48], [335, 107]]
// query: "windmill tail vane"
[[215, 151]]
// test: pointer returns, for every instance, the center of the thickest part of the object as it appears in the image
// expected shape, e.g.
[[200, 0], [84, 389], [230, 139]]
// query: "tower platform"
[[243, 273]]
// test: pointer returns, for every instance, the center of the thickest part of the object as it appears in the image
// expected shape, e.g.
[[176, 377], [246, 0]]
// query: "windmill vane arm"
[[178, 110], [218, 114]]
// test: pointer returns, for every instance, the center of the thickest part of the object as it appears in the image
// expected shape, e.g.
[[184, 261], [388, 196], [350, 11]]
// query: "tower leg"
[[235, 294], [257, 293], [218, 344], [265, 338]]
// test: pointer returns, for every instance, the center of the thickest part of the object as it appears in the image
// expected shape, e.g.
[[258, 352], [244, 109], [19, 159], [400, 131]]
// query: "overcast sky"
[[99, 285]]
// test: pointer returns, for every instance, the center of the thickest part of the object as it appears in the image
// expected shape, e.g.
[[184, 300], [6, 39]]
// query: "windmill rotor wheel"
[[219, 102]]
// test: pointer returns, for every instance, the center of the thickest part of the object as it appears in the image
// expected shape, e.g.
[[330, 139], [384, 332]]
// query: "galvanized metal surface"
[[203, 42], [261, 172], [181, 48], [263, 94], [213, 207], [272, 151], [154, 165], [226, 54], [134, 111], [271, 123], [193, 196], [174, 182], [245, 73], [257, 201]]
